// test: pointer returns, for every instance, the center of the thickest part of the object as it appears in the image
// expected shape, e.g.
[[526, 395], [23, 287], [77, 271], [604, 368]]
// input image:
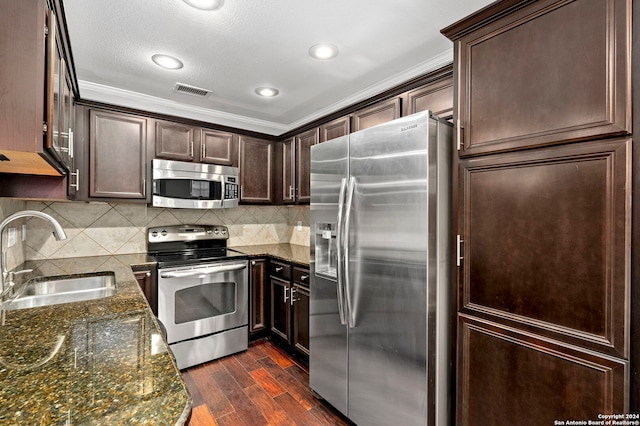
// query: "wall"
[[95, 229]]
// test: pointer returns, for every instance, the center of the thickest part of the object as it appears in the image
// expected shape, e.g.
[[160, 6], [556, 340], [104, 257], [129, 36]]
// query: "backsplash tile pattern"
[[95, 229]]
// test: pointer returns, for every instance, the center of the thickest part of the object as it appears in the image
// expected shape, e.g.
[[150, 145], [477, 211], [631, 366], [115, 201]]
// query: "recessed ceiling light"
[[205, 4], [168, 62], [267, 92], [323, 51]]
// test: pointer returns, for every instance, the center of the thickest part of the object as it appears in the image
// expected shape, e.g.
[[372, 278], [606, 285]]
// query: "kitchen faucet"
[[58, 234]]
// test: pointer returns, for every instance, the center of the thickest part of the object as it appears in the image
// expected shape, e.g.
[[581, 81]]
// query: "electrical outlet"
[[11, 236], [299, 225]]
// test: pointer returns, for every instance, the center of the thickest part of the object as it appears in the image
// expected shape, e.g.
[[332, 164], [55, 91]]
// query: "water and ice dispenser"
[[326, 250]]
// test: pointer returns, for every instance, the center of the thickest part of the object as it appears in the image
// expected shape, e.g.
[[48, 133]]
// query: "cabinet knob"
[[148, 274], [278, 268], [303, 277], [253, 262]]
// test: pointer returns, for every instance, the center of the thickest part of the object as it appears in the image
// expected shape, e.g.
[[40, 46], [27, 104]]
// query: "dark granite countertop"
[[94, 362], [288, 252]]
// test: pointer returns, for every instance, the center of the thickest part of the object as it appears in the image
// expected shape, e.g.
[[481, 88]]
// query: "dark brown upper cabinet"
[[256, 170], [336, 128], [551, 72], [379, 113], [182, 142], [436, 97], [175, 141], [36, 84], [296, 164], [117, 155]]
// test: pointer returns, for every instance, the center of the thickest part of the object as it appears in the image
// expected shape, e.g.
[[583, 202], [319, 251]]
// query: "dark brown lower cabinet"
[[280, 310], [258, 299], [544, 287], [300, 337], [148, 283], [511, 378]]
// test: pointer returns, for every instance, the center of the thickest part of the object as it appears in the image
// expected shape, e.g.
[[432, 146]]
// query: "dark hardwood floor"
[[262, 386]]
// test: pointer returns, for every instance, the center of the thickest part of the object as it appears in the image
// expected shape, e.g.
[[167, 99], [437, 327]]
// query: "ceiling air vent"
[[191, 90]]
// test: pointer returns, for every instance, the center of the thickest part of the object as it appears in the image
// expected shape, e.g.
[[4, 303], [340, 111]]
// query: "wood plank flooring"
[[262, 386]]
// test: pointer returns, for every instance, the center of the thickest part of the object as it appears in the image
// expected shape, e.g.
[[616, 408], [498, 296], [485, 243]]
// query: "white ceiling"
[[251, 43]]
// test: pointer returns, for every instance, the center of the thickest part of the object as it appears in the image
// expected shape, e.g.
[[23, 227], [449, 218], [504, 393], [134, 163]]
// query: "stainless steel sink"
[[56, 290]]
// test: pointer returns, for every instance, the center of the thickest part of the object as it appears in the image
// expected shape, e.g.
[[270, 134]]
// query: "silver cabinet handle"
[[303, 277], [278, 268], [292, 298], [77, 184], [285, 294], [347, 222]]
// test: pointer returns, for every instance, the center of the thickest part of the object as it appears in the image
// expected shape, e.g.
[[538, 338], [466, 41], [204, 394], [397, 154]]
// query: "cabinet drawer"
[[280, 270], [301, 276]]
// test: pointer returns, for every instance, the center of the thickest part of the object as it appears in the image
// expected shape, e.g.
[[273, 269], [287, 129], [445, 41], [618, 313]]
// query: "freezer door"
[[391, 237], [328, 337]]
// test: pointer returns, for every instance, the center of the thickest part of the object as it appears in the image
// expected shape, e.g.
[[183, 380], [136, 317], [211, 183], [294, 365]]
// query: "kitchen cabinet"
[[117, 155], [175, 141], [336, 128], [258, 297], [379, 113], [300, 314], [545, 232], [436, 97], [256, 170], [296, 163], [148, 282], [36, 84], [290, 306], [507, 100]]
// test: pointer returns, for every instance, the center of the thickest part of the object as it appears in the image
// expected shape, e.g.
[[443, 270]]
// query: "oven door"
[[196, 301]]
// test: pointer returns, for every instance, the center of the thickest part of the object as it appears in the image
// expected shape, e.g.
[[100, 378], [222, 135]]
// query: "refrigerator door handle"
[[347, 224], [339, 254]]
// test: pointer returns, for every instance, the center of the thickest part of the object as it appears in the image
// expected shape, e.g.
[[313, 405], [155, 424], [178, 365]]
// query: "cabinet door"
[[379, 113], [256, 170], [336, 128], [147, 281], [258, 280], [436, 97], [175, 141], [218, 147], [304, 141], [300, 300], [280, 309], [117, 155], [288, 171], [552, 72]]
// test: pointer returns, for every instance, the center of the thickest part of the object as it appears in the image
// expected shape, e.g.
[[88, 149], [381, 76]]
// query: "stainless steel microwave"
[[178, 184]]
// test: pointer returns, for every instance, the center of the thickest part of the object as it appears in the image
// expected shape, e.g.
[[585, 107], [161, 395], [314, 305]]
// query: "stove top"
[[189, 244]]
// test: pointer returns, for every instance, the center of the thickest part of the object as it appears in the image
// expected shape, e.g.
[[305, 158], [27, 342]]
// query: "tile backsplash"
[[95, 229]]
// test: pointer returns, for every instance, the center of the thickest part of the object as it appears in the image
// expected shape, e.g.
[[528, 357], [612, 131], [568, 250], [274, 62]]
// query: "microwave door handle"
[[339, 254], [351, 317], [203, 271]]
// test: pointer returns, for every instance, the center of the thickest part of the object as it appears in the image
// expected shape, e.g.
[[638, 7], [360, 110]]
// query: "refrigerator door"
[[328, 336], [390, 262]]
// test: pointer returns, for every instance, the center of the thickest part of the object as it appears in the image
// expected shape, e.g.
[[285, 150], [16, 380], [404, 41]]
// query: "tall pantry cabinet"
[[544, 192]]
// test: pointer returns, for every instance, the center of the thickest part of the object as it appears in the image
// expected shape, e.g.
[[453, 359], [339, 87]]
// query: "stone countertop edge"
[[288, 252], [99, 375]]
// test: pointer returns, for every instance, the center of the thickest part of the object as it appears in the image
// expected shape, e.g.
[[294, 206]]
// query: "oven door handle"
[[203, 271]]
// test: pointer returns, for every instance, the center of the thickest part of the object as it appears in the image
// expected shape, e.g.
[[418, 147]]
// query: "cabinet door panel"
[[256, 170], [546, 241], [335, 129], [288, 171], [436, 97], [500, 379], [258, 320], [280, 311], [218, 148], [552, 72], [379, 113], [300, 338], [304, 142], [175, 141], [118, 155]]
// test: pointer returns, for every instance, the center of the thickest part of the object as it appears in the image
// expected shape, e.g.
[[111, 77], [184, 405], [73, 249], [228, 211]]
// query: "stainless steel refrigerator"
[[380, 265]]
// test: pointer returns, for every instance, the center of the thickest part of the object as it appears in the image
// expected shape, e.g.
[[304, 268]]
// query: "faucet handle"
[[11, 275]]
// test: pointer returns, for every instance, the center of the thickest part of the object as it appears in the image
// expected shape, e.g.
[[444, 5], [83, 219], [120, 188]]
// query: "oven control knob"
[[164, 233], [216, 231], [209, 231], [224, 231], [154, 234]]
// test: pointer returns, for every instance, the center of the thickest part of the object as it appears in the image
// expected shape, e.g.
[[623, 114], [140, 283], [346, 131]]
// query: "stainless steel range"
[[202, 292]]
